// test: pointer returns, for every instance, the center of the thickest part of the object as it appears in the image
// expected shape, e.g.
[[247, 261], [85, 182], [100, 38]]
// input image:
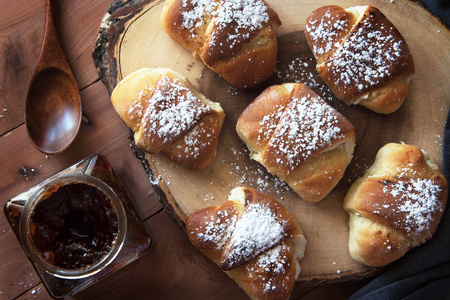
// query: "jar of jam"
[[77, 226]]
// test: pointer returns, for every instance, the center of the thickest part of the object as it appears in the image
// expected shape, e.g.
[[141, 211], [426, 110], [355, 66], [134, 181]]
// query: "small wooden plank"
[[23, 166], [133, 38]]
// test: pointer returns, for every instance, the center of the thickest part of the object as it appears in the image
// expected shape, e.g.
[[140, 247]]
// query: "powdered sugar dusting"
[[302, 69], [256, 231], [367, 56], [418, 198], [194, 17], [218, 231], [252, 174], [195, 142], [248, 15], [172, 110], [268, 124], [244, 16], [136, 108], [325, 32], [273, 262], [411, 204], [307, 125]]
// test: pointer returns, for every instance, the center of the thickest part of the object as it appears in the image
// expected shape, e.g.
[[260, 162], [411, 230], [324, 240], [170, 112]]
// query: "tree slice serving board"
[[131, 37]]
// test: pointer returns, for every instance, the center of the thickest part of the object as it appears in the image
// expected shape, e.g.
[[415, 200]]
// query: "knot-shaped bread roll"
[[361, 56], [298, 137], [169, 116], [397, 205], [254, 239], [234, 38]]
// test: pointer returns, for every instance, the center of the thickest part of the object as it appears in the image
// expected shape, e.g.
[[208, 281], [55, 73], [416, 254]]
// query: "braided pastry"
[[396, 206], [170, 116], [361, 56], [254, 239], [234, 38], [298, 137]]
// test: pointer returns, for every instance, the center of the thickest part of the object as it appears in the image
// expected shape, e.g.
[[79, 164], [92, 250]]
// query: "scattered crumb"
[[155, 181]]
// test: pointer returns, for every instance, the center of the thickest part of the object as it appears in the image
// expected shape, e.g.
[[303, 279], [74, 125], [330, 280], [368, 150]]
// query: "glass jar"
[[130, 242]]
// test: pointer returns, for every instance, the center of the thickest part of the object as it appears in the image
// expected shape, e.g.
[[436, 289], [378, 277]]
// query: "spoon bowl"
[[51, 125], [53, 104]]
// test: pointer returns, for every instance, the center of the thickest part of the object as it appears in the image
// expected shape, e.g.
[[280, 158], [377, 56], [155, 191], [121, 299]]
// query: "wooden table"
[[172, 269]]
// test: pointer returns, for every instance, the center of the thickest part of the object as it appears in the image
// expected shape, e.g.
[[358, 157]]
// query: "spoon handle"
[[52, 54]]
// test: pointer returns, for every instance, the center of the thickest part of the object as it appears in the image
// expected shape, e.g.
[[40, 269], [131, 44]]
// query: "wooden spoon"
[[53, 104]]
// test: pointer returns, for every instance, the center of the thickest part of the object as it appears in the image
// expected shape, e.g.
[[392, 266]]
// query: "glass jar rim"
[[37, 197]]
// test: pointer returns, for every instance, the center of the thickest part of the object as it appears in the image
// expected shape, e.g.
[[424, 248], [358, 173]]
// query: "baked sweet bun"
[[168, 115], [298, 137], [253, 239], [396, 206], [234, 38], [361, 56]]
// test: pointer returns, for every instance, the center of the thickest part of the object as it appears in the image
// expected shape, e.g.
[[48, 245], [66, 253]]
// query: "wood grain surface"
[[137, 40]]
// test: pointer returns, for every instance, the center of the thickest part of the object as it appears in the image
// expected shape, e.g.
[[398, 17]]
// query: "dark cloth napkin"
[[440, 8], [423, 273]]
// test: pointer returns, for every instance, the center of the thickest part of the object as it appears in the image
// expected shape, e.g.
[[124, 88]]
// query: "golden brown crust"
[[377, 199], [168, 115], [268, 273], [227, 214], [361, 56], [161, 100], [242, 53], [201, 142], [387, 98], [299, 138], [268, 276], [324, 46], [375, 244], [220, 47], [396, 206], [268, 104], [253, 198], [133, 85], [275, 150], [318, 176], [191, 38], [253, 64]]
